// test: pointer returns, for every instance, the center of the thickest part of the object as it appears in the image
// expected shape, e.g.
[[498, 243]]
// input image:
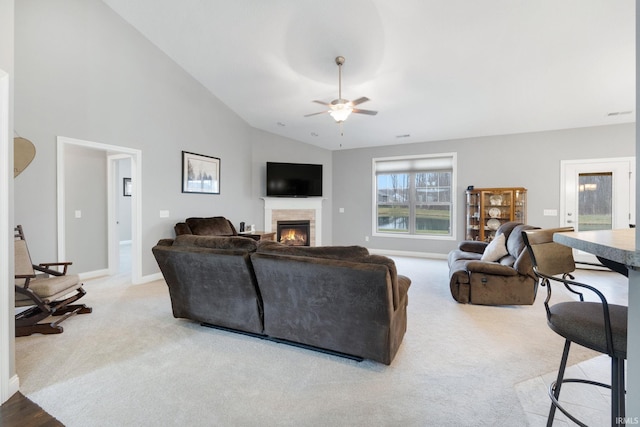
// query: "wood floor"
[[19, 411]]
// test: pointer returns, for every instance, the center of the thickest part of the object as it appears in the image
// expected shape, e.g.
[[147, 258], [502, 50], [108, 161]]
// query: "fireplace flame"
[[293, 237]]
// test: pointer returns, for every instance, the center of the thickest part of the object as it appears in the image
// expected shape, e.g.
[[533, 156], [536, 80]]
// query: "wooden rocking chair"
[[48, 293]]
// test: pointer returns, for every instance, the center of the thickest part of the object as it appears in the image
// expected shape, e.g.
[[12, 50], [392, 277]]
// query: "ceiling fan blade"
[[315, 114], [321, 102], [360, 100], [369, 112]]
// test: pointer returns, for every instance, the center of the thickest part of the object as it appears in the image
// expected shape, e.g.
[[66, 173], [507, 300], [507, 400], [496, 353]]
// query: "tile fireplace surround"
[[292, 209]]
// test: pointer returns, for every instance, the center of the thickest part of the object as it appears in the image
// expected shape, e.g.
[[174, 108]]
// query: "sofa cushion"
[[344, 253], [330, 252], [496, 249], [507, 228], [515, 243], [182, 228], [216, 242], [214, 226]]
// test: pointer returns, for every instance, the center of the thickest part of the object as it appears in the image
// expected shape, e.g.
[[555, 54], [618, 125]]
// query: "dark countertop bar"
[[616, 245]]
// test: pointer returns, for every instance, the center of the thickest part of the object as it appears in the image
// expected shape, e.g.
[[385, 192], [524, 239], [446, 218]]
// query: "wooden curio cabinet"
[[489, 208]]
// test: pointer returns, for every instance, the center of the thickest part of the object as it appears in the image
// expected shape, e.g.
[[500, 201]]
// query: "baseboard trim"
[[150, 278], [14, 385], [93, 274], [389, 252]]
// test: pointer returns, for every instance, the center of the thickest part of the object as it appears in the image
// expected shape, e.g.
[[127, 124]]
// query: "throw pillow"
[[496, 249]]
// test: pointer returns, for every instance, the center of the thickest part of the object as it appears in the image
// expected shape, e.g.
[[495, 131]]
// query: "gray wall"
[[85, 187], [84, 73], [525, 160]]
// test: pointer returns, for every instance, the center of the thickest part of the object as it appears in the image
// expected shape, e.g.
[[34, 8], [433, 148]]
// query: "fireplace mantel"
[[314, 204]]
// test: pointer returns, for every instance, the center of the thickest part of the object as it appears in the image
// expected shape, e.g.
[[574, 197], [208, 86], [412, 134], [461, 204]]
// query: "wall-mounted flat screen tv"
[[294, 180]]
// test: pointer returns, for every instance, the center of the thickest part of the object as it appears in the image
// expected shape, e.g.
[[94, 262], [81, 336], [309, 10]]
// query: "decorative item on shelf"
[[493, 224], [494, 213], [495, 200], [241, 227]]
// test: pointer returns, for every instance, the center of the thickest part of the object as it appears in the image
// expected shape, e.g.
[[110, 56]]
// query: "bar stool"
[[599, 326]]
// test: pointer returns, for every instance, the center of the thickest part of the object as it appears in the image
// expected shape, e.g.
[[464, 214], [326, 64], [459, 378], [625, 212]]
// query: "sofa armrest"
[[165, 242], [490, 268], [473, 246]]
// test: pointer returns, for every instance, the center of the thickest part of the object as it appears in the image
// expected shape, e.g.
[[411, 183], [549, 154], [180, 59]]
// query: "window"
[[414, 196]]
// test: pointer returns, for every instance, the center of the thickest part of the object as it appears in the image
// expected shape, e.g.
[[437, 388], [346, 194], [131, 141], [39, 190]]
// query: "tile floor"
[[588, 403]]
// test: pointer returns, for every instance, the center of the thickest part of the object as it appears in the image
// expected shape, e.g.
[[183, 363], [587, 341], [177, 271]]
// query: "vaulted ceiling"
[[433, 69]]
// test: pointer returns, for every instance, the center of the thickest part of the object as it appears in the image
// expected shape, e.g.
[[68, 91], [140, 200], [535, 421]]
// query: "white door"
[[598, 195]]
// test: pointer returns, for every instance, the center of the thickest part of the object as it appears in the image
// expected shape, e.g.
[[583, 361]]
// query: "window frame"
[[438, 157]]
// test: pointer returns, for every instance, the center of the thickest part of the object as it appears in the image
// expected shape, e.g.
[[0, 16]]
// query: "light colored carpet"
[[130, 363]]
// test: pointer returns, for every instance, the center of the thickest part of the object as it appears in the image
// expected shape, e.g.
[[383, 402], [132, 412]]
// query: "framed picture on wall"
[[126, 187], [200, 173]]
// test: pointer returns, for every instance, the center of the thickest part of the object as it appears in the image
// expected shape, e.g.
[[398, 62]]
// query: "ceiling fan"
[[340, 108]]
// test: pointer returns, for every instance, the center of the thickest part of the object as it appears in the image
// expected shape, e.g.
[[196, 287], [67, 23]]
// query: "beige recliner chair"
[[48, 293]]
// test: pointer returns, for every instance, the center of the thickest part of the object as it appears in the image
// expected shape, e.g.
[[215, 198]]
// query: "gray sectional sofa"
[[339, 299]]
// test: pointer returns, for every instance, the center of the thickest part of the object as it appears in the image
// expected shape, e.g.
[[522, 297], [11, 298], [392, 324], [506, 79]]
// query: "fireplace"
[[295, 209], [294, 233]]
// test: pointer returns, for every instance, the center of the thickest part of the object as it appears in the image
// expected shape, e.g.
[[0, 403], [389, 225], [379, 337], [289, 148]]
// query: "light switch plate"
[[550, 212], [164, 214]]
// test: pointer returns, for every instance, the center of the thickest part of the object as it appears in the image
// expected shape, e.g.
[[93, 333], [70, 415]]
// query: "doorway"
[[113, 154], [597, 194], [120, 213]]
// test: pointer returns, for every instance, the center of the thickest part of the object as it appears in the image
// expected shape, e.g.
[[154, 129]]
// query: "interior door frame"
[[136, 204], [9, 381], [564, 164]]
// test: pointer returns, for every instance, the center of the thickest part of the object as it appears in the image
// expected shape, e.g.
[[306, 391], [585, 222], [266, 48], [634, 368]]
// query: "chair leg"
[[617, 391], [38, 328], [558, 384], [77, 308]]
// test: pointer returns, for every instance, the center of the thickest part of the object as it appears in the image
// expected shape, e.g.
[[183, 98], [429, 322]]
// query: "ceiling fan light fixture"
[[340, 109], [340, 112]]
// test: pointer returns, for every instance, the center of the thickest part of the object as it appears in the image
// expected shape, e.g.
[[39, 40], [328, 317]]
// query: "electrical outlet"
[[550, 212], [341, 210], [164, 214], [78, 214], [366, 238]]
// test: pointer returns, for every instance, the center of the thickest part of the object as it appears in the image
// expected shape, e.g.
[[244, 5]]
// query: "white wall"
[[529, 160], [8, 377]]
